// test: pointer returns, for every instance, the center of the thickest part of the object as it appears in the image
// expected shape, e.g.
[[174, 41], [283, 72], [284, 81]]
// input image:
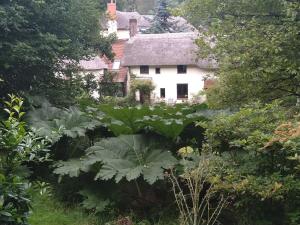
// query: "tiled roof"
[[118, 49]]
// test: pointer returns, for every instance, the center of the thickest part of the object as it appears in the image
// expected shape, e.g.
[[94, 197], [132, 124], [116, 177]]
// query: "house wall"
[[121, 34], [169, 78]]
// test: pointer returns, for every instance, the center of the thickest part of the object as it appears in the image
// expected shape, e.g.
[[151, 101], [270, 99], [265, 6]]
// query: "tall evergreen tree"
[[161, 22]]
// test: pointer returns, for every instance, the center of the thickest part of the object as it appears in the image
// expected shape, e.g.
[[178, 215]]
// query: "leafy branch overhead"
[[127, 156]]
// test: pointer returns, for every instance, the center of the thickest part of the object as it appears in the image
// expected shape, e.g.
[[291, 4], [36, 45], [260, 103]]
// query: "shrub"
[[260, 152], [17, 146], [144, 88]]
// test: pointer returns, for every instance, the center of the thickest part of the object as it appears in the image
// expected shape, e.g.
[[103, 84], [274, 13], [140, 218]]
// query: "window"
[[181, 69], [144, 70], [116, 65], [157, 70], [182, 91], [162, 92]]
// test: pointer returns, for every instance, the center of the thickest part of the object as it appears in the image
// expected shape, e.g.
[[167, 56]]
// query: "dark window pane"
[[144, 69], [181, 69], [182, 91], [162, 92], [157, 70]]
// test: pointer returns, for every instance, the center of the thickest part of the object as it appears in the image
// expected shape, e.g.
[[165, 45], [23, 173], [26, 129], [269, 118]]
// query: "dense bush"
[[116, 156], [260, 151], [17, 146], [116, 159]]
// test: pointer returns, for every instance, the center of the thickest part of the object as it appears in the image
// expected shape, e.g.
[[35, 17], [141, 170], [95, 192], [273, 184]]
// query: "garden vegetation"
[[66, 158]]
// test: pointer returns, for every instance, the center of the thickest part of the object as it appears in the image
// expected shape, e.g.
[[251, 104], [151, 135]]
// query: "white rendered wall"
[[121, 34], [169, 78]]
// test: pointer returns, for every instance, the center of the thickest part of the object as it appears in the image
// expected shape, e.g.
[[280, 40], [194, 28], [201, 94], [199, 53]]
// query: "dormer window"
[[116, 65], [181, 69], [144, 69]]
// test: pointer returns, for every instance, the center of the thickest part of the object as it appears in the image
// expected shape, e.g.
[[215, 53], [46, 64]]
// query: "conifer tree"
[[161, 22]]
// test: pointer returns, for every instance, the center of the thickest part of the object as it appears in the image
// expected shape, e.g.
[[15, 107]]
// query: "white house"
[[170, 61]]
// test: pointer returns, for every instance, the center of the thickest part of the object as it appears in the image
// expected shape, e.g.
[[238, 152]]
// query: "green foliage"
[[54, 122], [256, 45], [161, 23], [123, 157], [17, 146], [136, 162], [38, 36], [49, 211], [168, 121], [144, 88], [196, 197], [257, 170], [108, 86], [93, 201]]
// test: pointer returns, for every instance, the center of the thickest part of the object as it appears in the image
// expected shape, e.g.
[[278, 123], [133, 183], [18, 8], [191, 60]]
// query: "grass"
[[49, 211]]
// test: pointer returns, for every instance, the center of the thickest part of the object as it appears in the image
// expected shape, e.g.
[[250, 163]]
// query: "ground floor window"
[[144, 69], [182, 91], [162, 92]]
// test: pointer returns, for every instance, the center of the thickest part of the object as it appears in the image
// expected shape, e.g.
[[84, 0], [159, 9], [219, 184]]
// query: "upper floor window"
[[181, 69], [116, 65], [157, 70], [144, 69]]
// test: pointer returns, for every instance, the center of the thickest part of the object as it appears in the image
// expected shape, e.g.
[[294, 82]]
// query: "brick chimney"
[[112, 9], [133, 27]]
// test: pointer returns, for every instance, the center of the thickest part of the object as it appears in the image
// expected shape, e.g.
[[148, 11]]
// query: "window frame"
[[163, 93], [157, 70], [146, 71], [183, 96], [181, 69]]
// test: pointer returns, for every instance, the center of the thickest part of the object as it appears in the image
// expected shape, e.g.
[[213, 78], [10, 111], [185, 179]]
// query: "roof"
[[95, 63], [164, 50], [124, 17], [118, 49]]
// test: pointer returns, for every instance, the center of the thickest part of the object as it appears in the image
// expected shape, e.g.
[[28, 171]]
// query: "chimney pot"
[[112, 9]]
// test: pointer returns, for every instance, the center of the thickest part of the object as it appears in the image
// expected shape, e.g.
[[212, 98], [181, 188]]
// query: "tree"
[[161, 22], [38, 36], [256, 44], [259, 147]]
